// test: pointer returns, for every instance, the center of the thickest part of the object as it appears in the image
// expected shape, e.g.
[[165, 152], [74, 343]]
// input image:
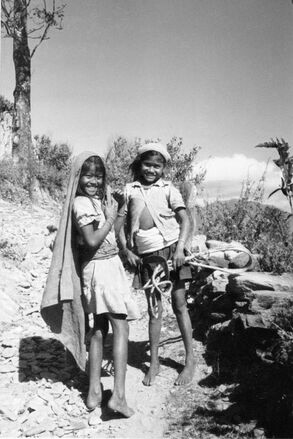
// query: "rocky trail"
[[41, 392]]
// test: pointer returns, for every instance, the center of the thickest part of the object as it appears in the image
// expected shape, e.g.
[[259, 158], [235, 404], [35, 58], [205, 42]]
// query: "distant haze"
[[225, 177]]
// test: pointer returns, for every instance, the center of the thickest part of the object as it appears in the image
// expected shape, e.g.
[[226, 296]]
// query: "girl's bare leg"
[[120, 328], [100, 330], [155, 325], [184, 323]]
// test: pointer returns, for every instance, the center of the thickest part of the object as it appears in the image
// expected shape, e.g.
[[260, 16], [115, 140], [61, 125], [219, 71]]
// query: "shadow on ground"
[[47, 358], [139, 355], [252, 390]]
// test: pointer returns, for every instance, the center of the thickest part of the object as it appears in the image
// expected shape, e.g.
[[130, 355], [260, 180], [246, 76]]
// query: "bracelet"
[[181, 240]]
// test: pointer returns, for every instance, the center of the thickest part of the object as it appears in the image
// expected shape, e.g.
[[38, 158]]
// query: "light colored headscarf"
[[61, 305], [155, 146]]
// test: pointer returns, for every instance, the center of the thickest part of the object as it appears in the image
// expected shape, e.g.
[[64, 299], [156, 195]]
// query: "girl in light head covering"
[[87, 276], [157, 228]]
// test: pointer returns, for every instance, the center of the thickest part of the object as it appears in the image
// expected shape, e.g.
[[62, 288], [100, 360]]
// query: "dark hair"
[[93, 160], [99, 166], [135, 166]]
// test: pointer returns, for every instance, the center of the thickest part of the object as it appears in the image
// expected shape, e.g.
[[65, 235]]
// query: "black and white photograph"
[[146, 219]]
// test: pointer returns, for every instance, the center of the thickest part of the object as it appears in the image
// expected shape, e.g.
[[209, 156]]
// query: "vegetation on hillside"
[[261, 228], [122, 153], [51, 167], [285, 163]]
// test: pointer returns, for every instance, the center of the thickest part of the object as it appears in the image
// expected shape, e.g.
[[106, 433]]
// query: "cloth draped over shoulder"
[[162, 199], [61, 306]]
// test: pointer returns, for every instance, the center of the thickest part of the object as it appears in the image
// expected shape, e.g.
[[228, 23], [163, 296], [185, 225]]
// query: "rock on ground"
[[41, 393]]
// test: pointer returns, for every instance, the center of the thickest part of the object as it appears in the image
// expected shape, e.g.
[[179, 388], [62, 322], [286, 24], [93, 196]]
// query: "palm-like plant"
[[285, 163]]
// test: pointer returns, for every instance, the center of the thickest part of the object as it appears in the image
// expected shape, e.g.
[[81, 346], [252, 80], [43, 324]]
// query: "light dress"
[[105, 286]]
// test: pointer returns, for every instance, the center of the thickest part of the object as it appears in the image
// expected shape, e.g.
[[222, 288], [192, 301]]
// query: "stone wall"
[[240, 318]]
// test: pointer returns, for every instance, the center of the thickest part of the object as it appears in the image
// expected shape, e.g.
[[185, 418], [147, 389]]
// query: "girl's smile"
[[91, 182], [151, 170]]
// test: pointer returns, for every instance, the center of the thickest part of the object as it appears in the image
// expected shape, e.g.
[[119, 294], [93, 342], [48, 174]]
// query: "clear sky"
[[216, 72]]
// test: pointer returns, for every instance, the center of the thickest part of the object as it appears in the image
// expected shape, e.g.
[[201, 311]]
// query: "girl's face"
[[151, 170], [92, 181]]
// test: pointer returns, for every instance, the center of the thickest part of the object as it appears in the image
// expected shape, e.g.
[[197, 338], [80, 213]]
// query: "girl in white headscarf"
[[87, 276]]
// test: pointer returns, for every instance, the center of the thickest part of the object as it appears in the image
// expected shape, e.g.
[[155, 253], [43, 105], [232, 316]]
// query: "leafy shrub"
[[262, 229], [285, 164], [13, 182], [54, 155], [52, 166], [275, 256], [122, 153], [181, 164], [119, 157]]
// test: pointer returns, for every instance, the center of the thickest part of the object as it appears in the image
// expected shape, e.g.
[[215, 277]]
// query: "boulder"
[[246, 282], [268, 303], [35, 244]]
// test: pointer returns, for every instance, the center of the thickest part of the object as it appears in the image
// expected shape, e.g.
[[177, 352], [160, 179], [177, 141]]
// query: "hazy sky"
[[216, 72]]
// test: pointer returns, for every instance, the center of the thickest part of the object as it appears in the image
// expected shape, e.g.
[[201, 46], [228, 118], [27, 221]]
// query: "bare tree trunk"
[[22, 141], [22, 146]]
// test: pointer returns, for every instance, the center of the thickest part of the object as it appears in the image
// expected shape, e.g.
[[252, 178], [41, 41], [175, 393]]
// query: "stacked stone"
[[235, 313]]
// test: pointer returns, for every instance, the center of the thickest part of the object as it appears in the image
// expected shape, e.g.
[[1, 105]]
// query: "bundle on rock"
[[220, 255]]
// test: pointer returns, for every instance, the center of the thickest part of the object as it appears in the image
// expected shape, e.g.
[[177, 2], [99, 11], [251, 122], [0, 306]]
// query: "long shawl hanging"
[[61, 306]]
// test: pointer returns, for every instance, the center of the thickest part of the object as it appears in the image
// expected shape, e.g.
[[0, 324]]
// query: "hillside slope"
[[48, 392]]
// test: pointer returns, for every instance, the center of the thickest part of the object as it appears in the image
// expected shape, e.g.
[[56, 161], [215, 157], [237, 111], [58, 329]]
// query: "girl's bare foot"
[[120, 405], [151, 374], [186, 376], [94, 398]]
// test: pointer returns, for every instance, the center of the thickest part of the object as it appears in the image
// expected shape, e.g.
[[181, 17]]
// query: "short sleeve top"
[[162, 200], [88, 210]]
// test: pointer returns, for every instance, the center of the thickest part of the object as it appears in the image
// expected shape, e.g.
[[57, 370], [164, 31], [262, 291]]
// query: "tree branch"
[[36, 29], [42, 20], [43, 37], [7, 28], [4, 9], [47, 19]]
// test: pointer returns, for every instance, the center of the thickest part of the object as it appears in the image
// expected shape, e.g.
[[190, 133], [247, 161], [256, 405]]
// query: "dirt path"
[[150, 403], [49, 395], [41, 395]]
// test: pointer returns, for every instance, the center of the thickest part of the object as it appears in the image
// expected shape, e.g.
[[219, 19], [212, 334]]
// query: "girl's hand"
[[118, 195], [132, 258], [110, 210], [178, 258]]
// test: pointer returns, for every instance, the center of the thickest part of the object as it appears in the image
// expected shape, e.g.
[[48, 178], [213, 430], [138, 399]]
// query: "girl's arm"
[[94, 237], [132, 258], [119, 197], [119, 222], [182, 218]]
